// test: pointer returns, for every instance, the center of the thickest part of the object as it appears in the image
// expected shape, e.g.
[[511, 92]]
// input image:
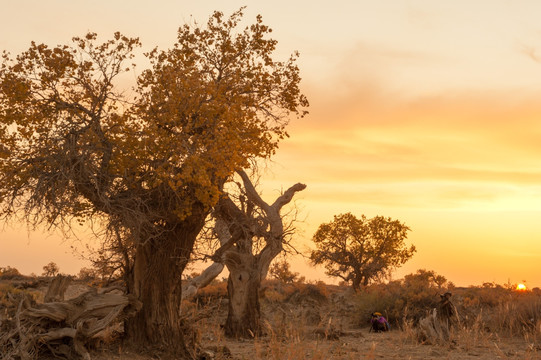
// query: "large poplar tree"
[[149, 167]]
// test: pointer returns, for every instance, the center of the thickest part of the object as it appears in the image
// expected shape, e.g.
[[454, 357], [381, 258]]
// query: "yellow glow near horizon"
[[521, 287]]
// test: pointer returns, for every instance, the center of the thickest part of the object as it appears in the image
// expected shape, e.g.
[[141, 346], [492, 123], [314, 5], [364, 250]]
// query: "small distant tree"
[[51, 269], [360, 251], [281, 270]]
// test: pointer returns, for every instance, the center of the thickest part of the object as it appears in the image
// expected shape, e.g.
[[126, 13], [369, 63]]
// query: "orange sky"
[[424, 111]]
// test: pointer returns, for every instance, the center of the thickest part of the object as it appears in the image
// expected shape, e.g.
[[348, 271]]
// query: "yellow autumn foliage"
[[74, 144]]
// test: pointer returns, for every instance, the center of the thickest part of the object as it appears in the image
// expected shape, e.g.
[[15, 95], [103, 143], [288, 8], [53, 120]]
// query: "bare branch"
[[251, 192], [287, 196]]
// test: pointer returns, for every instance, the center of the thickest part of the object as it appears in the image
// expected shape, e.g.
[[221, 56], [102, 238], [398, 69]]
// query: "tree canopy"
[[360, 250], [74, 145]]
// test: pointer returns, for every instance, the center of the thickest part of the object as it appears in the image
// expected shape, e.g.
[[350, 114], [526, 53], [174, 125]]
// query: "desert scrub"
[[10, 294], [9, 273], [520, 314], [412, 297], [503, 310], [300, 292], [213, 291]]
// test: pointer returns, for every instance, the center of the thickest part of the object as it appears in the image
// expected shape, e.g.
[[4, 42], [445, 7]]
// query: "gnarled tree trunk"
[[159, 263], [244, 314], [247, 268]]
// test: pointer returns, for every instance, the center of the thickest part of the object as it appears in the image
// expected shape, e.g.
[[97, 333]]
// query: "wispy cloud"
[[470, 141]]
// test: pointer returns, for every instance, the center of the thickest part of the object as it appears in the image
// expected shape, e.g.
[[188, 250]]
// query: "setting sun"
[[521, 287]]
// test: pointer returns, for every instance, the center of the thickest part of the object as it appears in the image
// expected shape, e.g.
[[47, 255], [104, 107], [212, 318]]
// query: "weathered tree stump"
[[57, 288], [63, 328], [435, 328]]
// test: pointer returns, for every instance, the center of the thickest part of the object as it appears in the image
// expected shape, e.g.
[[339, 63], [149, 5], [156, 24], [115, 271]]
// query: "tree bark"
[[159, 263], [57, 288], [244, 314]]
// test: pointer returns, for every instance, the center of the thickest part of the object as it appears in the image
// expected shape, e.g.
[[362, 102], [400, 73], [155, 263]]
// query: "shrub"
[[215, 290], [408, 299], [9, 273], [298, 292], [10, 295], [272, 291], [87, 274]]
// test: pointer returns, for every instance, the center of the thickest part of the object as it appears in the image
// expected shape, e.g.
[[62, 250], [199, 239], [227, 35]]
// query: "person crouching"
[[379, 323]]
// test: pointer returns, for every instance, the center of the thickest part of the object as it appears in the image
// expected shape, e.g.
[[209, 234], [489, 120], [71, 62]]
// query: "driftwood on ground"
[[61, 328]]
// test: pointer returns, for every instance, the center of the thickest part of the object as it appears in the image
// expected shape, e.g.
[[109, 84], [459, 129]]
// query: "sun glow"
[[521, 287]]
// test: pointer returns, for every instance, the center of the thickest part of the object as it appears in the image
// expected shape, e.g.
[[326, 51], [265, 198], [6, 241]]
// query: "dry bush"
[[275, 291], [272, 291], [401, 300], [87, 274], [213, 291], [9, 273], [290, 341], [300, 292], [503, 311], [475, 334], [519, 313], [8, 294]]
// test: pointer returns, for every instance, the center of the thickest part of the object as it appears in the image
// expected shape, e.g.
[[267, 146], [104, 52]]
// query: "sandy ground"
[[358, 344], [392, 345]]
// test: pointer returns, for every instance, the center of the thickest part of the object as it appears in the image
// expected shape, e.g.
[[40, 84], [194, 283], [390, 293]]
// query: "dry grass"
[[496, 323]]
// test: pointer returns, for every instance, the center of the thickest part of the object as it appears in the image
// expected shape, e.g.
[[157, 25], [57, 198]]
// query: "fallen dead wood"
[[62, 328]]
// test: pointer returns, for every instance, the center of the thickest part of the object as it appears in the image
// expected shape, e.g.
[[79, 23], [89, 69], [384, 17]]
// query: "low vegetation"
[[320, 321]]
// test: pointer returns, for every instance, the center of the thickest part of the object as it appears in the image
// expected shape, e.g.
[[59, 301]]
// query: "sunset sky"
[[428, 112]]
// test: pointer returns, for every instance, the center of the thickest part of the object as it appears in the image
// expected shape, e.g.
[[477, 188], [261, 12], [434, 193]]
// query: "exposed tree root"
[[61, 328]]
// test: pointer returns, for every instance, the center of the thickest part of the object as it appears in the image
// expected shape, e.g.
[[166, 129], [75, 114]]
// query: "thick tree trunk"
[[159, 263], [243, 318]]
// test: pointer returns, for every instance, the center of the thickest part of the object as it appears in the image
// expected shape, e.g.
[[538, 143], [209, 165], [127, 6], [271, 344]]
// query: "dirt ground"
[[392, 345], [356, 345]]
